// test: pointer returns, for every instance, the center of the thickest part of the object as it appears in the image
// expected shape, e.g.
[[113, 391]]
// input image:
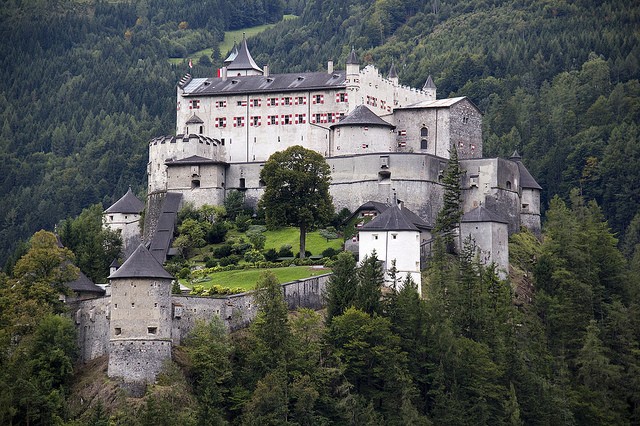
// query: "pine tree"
[[342, 286], [448, 219]]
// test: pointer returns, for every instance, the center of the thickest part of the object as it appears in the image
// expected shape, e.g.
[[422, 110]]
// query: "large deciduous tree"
[[297, 190]]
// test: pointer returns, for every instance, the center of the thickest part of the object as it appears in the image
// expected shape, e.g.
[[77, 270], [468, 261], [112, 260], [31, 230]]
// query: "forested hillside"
[[85, 85]]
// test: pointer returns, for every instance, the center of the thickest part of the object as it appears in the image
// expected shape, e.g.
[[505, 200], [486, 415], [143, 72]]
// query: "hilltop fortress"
[[383, 142]]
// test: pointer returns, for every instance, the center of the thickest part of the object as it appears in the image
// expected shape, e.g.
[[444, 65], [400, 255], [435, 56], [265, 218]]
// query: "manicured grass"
[[247, 278], [230, 37], [315, 243]]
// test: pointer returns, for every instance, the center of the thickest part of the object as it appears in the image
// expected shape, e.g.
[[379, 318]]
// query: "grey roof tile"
[[128, 203], [482, 214], [362, 116], [243, 60], [194, 120], [392, 71], [352, 58], [429, 84], [84, 284], [141, 264], [392, 219], [526, 180]]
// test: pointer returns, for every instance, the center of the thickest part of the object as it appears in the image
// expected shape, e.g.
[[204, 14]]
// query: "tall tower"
[[140, 329], [430, 88], [353, 80]]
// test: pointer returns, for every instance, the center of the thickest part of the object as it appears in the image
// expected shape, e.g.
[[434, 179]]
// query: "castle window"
[[286, 119], [242, 103], [242, 182], [301, 118], [201, 129], [465, 120], [195, 183], [375, 236], [318, 99], [384, 162], [261, 183], [525, 207], [117, 331], [272, 101], [473, 181], [238, 121], [255, 102], [221, 104], [255, 121], [330, 117], [424, 144], [317, 118], [286, 100], [194, 104], [301, 100], [341, 97], [152, 330], [508, 184], [221, 122], [394, 236], [272, 119], [111, 217], [424, 132]]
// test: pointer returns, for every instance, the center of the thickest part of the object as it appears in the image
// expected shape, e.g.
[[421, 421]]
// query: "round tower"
[[140, 328], [179, 147]]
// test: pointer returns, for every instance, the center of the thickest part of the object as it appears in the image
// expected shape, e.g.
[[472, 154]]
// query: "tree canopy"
[[296, 190]]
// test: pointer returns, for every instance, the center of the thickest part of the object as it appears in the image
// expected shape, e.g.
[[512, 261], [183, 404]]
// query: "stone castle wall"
[[144, 357]]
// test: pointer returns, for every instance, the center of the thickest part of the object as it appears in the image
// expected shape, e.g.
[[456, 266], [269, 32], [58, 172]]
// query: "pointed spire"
[[353, 58], [128, 203], [243, 60], [429, 84], [141, 264], [392, 71], [515, 156]]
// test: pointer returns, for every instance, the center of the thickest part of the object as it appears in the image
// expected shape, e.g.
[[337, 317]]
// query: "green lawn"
[[247, 278], [230, 37], [315, 243]]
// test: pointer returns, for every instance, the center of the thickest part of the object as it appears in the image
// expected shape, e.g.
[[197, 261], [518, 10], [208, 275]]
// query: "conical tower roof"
[[353, 58], [232, 54], [129, 203], [141, 264], [392, 71], [243, 60], [429, 84]]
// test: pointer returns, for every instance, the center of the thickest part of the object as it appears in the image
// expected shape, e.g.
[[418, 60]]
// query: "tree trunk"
[[303, 235]]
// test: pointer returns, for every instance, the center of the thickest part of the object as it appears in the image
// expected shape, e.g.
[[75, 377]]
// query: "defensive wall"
[[92, 317]]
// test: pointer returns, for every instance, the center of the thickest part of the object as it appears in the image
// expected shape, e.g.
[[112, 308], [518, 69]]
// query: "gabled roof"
[[129, 203], [352, 58], [195, 120], [396, 218], [192, 160], [362, 116], [273, 83], [141, 264], [161, 239], [429, 84], [84, 284], [243, 60], [526, 180], [482, 214], [440, 103], [392, 71]]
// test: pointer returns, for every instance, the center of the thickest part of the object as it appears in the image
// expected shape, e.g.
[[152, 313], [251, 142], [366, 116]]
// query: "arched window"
[[424, 132]]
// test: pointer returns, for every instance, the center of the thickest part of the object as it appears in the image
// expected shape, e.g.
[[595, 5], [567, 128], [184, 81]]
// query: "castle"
[[383, 142]]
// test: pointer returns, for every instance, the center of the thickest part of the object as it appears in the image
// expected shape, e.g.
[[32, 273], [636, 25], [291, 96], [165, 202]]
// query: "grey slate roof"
[[161, 239], [128, 203], [272, 83], [429, 84], [141, 264], [362, 116], [482, 214], [526, 180], [392, 71], [396, 218], [392, 219], [353, 58], [192, 160], [84, 284], [194, 120], [232, 55], [243, 60]]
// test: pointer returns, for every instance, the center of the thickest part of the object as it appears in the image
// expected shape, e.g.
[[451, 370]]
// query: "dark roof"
[[392, 219], [482, 214], [232, 54], [129, 203], [392, 71], [429, 84], [352, 58], [415, 219], [84, 284], [526, 180], [114, 264], [161, 239], [184, 138], [368, 206], [194, 159], [265, 84], [243, 60], [362, 116], [141, 264], [195, 120]]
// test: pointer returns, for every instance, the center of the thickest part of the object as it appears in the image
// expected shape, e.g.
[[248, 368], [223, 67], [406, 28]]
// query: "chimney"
[[330, 67], [224, 74], [265, 70]]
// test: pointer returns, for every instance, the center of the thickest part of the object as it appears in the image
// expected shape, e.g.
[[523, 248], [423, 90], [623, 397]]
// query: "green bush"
[[285, 251], [223, 251], [271, 255], [330, 252], [211, 263], [184, 273]]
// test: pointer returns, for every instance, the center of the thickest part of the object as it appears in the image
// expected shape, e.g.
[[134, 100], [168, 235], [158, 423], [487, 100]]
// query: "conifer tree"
[[448, 219], [370, 281], [342, 286]]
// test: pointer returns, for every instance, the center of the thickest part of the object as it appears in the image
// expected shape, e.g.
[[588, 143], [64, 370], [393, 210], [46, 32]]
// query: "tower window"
[[242, 183], [152, 330], [424, 144], [508, 184], [117, 331]]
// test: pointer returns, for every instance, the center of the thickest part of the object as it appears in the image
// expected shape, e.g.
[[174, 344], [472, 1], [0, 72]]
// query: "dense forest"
[[86, 84]]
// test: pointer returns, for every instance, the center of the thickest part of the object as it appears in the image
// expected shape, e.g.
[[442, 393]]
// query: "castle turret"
[[430, 88], [124, 216], [140, 330], [243, 63], [393, 74], [529, 197], [491, 235]]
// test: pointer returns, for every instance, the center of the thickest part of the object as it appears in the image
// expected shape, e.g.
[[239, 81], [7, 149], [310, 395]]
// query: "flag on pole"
[[190, 63]]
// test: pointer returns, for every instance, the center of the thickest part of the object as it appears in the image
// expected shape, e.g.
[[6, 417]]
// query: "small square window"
[[117, 331], [152, 330]]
